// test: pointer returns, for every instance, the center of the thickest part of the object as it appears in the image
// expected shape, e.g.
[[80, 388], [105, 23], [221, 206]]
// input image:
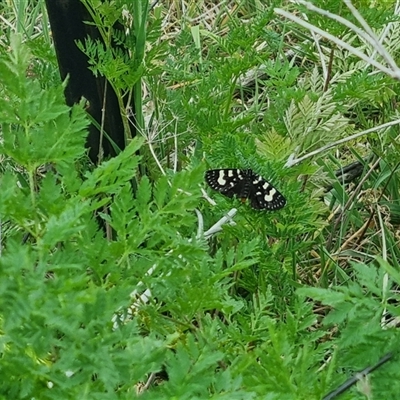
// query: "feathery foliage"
[[106, 294]]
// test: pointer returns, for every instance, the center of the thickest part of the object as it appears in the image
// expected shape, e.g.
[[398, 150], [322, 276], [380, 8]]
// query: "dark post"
[[67, 19]]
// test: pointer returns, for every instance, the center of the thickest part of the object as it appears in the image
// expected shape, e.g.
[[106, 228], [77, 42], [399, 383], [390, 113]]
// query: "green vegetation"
[[280, 305]]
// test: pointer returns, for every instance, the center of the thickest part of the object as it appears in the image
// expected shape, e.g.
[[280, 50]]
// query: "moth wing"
[[264, 196], [228, 182]]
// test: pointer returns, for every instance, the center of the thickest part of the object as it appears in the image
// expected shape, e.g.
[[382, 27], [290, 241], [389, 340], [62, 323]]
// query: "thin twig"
[[208, 198], [367, 34], [385, 280], [200, 228], [350, 201], [394, 74], [293, 161], [387, 28], [351, 381], [378, 200], [103, 117], [218, 226], [373, 39]]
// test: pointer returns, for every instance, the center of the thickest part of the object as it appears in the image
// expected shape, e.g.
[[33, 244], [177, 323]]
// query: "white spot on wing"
[[270, 196], [221, 179], [266, 186]]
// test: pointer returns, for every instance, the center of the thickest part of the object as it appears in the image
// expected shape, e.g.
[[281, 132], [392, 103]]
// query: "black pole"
[[67, 20]]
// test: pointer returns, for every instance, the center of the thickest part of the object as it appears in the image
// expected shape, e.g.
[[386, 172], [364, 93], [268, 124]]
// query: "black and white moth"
[[246, 184]]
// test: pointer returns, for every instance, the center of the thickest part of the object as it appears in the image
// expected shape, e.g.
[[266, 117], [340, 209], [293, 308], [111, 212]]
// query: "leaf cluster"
[[107, 285]]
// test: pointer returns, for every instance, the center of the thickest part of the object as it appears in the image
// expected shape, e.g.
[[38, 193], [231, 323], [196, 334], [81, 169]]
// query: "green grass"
[[280, 305]]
